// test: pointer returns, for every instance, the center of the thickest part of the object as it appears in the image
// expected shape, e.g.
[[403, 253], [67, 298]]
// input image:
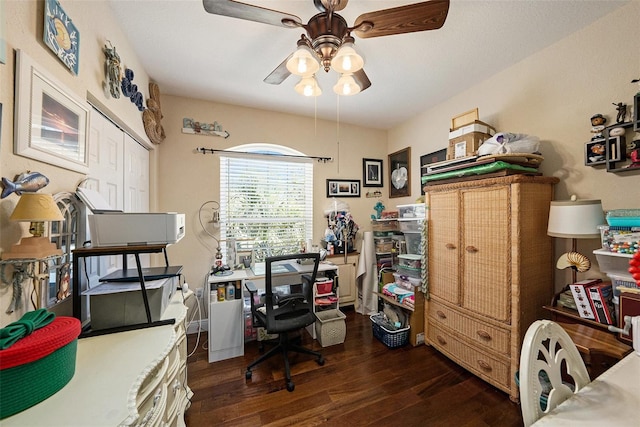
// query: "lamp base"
[[32, 247]]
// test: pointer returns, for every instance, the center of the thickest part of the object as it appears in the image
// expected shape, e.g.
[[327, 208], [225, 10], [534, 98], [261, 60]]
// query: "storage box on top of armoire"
[[466, 144], [38, 365]]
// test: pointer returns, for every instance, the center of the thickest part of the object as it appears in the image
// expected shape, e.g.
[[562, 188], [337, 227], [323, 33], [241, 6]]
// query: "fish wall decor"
[[26, 182]]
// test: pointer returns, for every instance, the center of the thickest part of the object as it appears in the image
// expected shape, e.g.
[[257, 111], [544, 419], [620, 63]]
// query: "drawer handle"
[[485, 366], [176, 386], [472, 249], [450, 246], [441, 314], [441, 340], [483, 334], [150, 413]]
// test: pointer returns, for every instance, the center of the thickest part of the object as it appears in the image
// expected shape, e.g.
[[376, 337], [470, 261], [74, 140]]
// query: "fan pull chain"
[[338, 129]]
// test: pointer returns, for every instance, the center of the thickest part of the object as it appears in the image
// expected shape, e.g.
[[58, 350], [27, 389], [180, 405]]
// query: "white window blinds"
[[266, 203]]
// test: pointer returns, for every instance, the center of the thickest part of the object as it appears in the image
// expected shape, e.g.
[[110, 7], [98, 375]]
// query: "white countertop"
[[249, 274]]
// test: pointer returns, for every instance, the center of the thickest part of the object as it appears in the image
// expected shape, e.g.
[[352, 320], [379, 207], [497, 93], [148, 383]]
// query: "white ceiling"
[[194, 54]]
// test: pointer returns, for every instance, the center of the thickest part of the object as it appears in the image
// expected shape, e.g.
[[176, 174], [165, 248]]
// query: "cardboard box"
[[466, 145], [114, 304], [476, 126]]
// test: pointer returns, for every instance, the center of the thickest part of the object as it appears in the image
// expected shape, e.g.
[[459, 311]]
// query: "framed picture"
[[61, 35], [427, 159], [52, 124], [343, 188], [595, 152], [372, 173], [400, 173]]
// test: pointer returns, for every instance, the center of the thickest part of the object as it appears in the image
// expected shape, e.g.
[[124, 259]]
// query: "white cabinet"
[[226, 328], [347, 277]]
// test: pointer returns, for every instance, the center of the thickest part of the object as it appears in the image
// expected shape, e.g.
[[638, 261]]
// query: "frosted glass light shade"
[[347, 60], [575, 219], [346, 85], [36, 207], [308, 86], [303, 62]]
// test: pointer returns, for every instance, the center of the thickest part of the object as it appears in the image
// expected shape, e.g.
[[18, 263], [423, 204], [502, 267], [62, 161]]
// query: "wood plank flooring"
[[362, 383]]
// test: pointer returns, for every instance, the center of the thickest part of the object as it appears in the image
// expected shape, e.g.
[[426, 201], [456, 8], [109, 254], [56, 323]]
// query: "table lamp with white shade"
[[35, 208], [575, 219]]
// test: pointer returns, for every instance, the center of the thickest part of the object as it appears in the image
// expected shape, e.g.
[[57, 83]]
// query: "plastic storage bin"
[[624, 240], [621, 281], [413, 243], [331, 328], [410, 225], [416, 210], [407, 282], [612, 262], [392, 339], [410, 260]]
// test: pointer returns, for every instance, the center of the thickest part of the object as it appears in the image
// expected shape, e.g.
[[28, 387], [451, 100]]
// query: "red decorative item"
[[634, 267]]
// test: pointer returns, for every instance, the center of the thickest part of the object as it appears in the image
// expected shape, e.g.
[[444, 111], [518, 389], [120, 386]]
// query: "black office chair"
[[284, 314]]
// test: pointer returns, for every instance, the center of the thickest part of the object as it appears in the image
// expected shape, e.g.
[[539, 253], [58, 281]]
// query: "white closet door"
[[136, 176]]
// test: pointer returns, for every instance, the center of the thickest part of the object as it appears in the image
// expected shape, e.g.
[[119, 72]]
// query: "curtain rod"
[[213, 151]]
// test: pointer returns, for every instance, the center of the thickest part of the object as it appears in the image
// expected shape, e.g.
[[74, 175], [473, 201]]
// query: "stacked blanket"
[[400, 294]]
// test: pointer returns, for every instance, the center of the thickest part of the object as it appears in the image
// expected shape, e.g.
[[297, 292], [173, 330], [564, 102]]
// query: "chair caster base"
[[247, 375], [320, 361], [290, 386]]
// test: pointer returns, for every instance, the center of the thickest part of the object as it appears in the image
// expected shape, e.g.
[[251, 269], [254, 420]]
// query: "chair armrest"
[[251, 287]]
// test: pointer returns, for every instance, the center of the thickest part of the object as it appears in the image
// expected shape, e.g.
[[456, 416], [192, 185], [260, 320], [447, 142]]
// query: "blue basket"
[[392, 339]]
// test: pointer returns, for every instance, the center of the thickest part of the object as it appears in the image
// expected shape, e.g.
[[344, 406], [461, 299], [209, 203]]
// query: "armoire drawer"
[[493, 370], [478, 331]]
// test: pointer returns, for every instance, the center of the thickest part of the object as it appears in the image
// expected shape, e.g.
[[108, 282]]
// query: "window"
[[266, 201]]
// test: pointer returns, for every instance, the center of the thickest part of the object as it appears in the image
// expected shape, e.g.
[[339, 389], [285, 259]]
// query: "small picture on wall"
[[372, 173], [595, 152], [343, 188], [400, 173]]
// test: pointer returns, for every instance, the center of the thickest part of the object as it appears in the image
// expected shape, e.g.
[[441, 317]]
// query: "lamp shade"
[[35, 207], [575, 219], [346, 85], [303, 62], [308, 86], [347, 60]]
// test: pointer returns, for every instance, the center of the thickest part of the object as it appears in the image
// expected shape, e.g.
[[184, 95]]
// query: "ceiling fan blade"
[[361, 78], [235, 9], [280, 74], [428, 15]]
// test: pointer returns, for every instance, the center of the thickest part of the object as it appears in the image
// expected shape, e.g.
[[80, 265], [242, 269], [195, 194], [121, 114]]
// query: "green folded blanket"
[[477, 170]]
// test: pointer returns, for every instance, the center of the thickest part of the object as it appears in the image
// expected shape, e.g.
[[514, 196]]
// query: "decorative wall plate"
[[61, 35]]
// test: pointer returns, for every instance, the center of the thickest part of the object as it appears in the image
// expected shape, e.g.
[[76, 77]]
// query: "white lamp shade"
[[575, 219], [308, 86], [347, 60], [346, 85], [303, 62]]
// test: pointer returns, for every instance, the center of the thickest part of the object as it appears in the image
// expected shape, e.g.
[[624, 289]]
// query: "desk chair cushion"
[[551, 370]]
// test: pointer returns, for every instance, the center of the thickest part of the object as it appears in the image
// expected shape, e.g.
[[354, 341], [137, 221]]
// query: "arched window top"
[[265, 148]]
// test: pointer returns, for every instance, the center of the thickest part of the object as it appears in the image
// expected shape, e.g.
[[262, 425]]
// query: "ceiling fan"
[[328, 42]]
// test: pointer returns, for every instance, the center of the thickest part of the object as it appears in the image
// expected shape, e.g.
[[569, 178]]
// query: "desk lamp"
[[575, 219], [35, 208]]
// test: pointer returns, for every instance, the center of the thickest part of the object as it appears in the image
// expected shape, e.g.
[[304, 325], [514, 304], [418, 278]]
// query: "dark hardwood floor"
[[362, 383]]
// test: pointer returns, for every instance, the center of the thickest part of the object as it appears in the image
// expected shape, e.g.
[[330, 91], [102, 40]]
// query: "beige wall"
[[553, 94], [188, 179]]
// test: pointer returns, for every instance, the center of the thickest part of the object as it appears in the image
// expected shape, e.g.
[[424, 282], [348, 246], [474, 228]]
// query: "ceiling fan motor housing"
[[327, 33]]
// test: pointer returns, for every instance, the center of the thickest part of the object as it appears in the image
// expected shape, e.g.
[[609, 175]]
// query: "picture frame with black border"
[[427, 159], [595, 152], [52, 123], [400, 173], [343, 188], [372, 173]]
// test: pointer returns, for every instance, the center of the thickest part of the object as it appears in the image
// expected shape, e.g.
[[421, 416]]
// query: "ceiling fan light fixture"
[[347, 60], [347, 86], [308, 86], [303, 63]]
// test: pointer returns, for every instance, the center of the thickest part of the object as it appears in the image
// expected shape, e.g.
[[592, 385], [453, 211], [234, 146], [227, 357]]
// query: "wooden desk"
[[612, 399], [599, 348]]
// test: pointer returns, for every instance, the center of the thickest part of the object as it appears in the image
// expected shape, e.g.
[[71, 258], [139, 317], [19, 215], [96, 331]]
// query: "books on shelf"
[[581, 297]]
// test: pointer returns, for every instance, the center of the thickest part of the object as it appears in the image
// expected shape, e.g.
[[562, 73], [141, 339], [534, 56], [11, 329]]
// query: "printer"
[[110, 227]]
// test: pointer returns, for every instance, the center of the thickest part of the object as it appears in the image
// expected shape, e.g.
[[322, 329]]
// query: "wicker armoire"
[[490, 271]]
